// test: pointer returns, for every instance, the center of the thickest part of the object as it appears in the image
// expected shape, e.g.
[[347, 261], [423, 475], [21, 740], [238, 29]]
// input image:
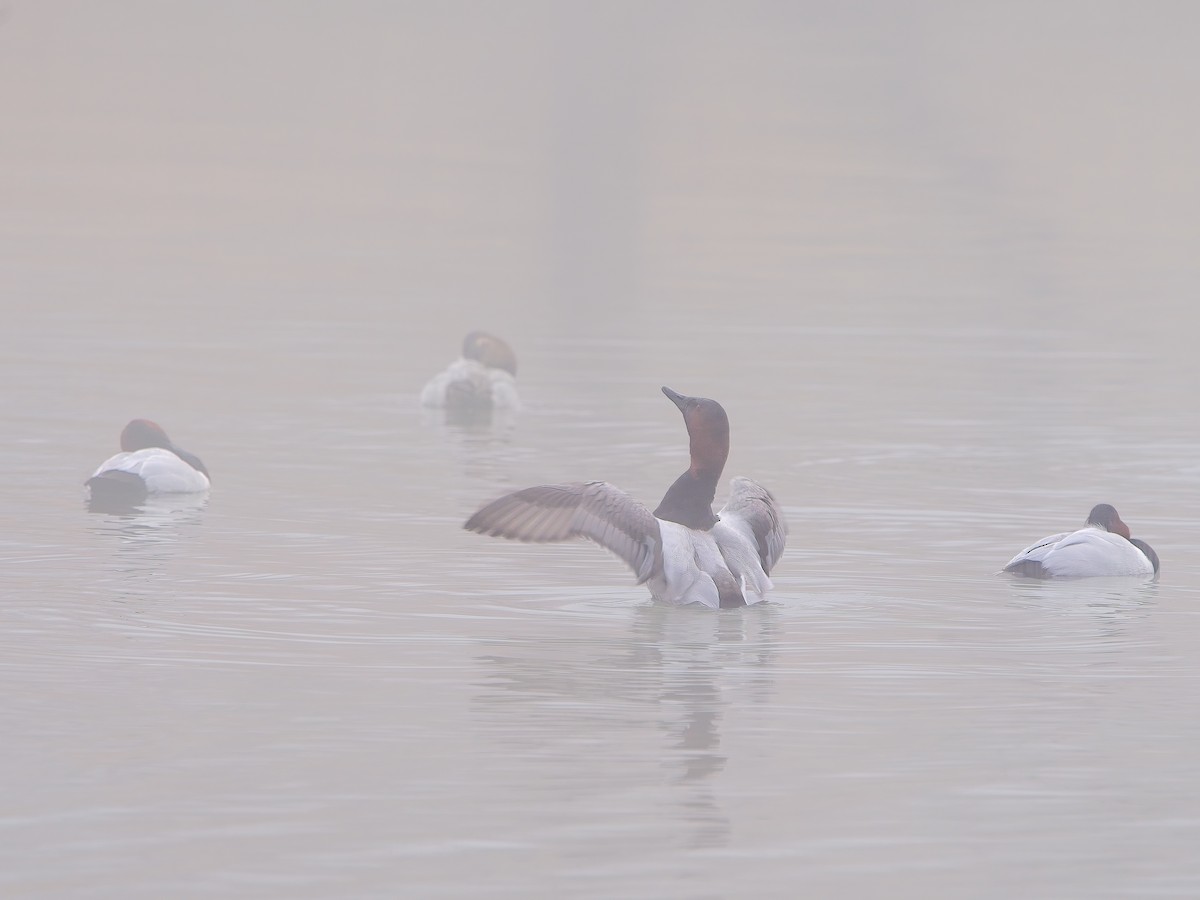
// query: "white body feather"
[[469, 378], [160, 470], [693, 559], [1089, 552]]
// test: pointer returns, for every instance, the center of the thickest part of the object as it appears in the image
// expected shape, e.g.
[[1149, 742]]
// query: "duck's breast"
[[160, 470]]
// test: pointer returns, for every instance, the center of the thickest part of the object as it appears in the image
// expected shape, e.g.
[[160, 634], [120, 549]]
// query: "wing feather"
[[752, 505], [595, 510], [1031, 558]]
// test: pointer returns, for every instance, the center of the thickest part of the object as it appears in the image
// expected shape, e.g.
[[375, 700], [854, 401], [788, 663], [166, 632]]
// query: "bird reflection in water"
[[1111, 603], [678, 673], [156, 519], [468, 421]]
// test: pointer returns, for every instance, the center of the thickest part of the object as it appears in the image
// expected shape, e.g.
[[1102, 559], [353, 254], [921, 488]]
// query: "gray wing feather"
[[558, 512], [758, 509], [1035, 553]]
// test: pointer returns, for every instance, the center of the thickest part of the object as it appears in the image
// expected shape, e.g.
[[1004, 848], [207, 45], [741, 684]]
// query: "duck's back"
[[469, 384], [1089, 552], [158, 470]]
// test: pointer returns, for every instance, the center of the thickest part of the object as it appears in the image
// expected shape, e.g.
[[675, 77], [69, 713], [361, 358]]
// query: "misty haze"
[[938, 265]]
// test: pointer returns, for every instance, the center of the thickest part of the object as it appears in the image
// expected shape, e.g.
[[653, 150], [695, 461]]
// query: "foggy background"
[[937, 262]]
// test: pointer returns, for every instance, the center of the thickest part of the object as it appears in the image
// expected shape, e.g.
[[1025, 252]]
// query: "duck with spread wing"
[[682, 551]]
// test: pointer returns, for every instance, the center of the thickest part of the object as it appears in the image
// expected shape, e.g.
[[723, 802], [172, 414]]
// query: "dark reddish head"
[[1106, 517], [489, 350], [708, 433], [141, 434]]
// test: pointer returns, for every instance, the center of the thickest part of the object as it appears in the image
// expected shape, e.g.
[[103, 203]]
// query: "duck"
[[683, 551], [149, 463], [484, 378], [1101, 547]]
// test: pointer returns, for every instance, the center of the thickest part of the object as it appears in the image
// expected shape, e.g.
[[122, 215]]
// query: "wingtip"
[[481, 528], [476, 525]]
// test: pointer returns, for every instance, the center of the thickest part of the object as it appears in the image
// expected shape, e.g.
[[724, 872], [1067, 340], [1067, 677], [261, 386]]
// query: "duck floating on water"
[[148, 464], [1102, 547], [682, 551], [485, 378]]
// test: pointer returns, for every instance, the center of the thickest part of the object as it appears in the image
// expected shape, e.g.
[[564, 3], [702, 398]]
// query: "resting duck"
[[484, 378], [683, 552], [1102, 547], [148, 464]]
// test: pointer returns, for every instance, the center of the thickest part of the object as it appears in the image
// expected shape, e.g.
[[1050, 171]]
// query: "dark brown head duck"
[[483, 379], [683, 551]]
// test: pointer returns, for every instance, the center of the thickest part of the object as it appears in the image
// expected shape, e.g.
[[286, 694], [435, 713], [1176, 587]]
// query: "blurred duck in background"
[[482, 380]]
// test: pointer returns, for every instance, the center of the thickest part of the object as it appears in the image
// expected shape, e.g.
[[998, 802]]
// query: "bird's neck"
[[689, 501]]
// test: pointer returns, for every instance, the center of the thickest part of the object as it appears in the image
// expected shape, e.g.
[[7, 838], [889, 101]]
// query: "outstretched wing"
[[754, 511], [559, 512]]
